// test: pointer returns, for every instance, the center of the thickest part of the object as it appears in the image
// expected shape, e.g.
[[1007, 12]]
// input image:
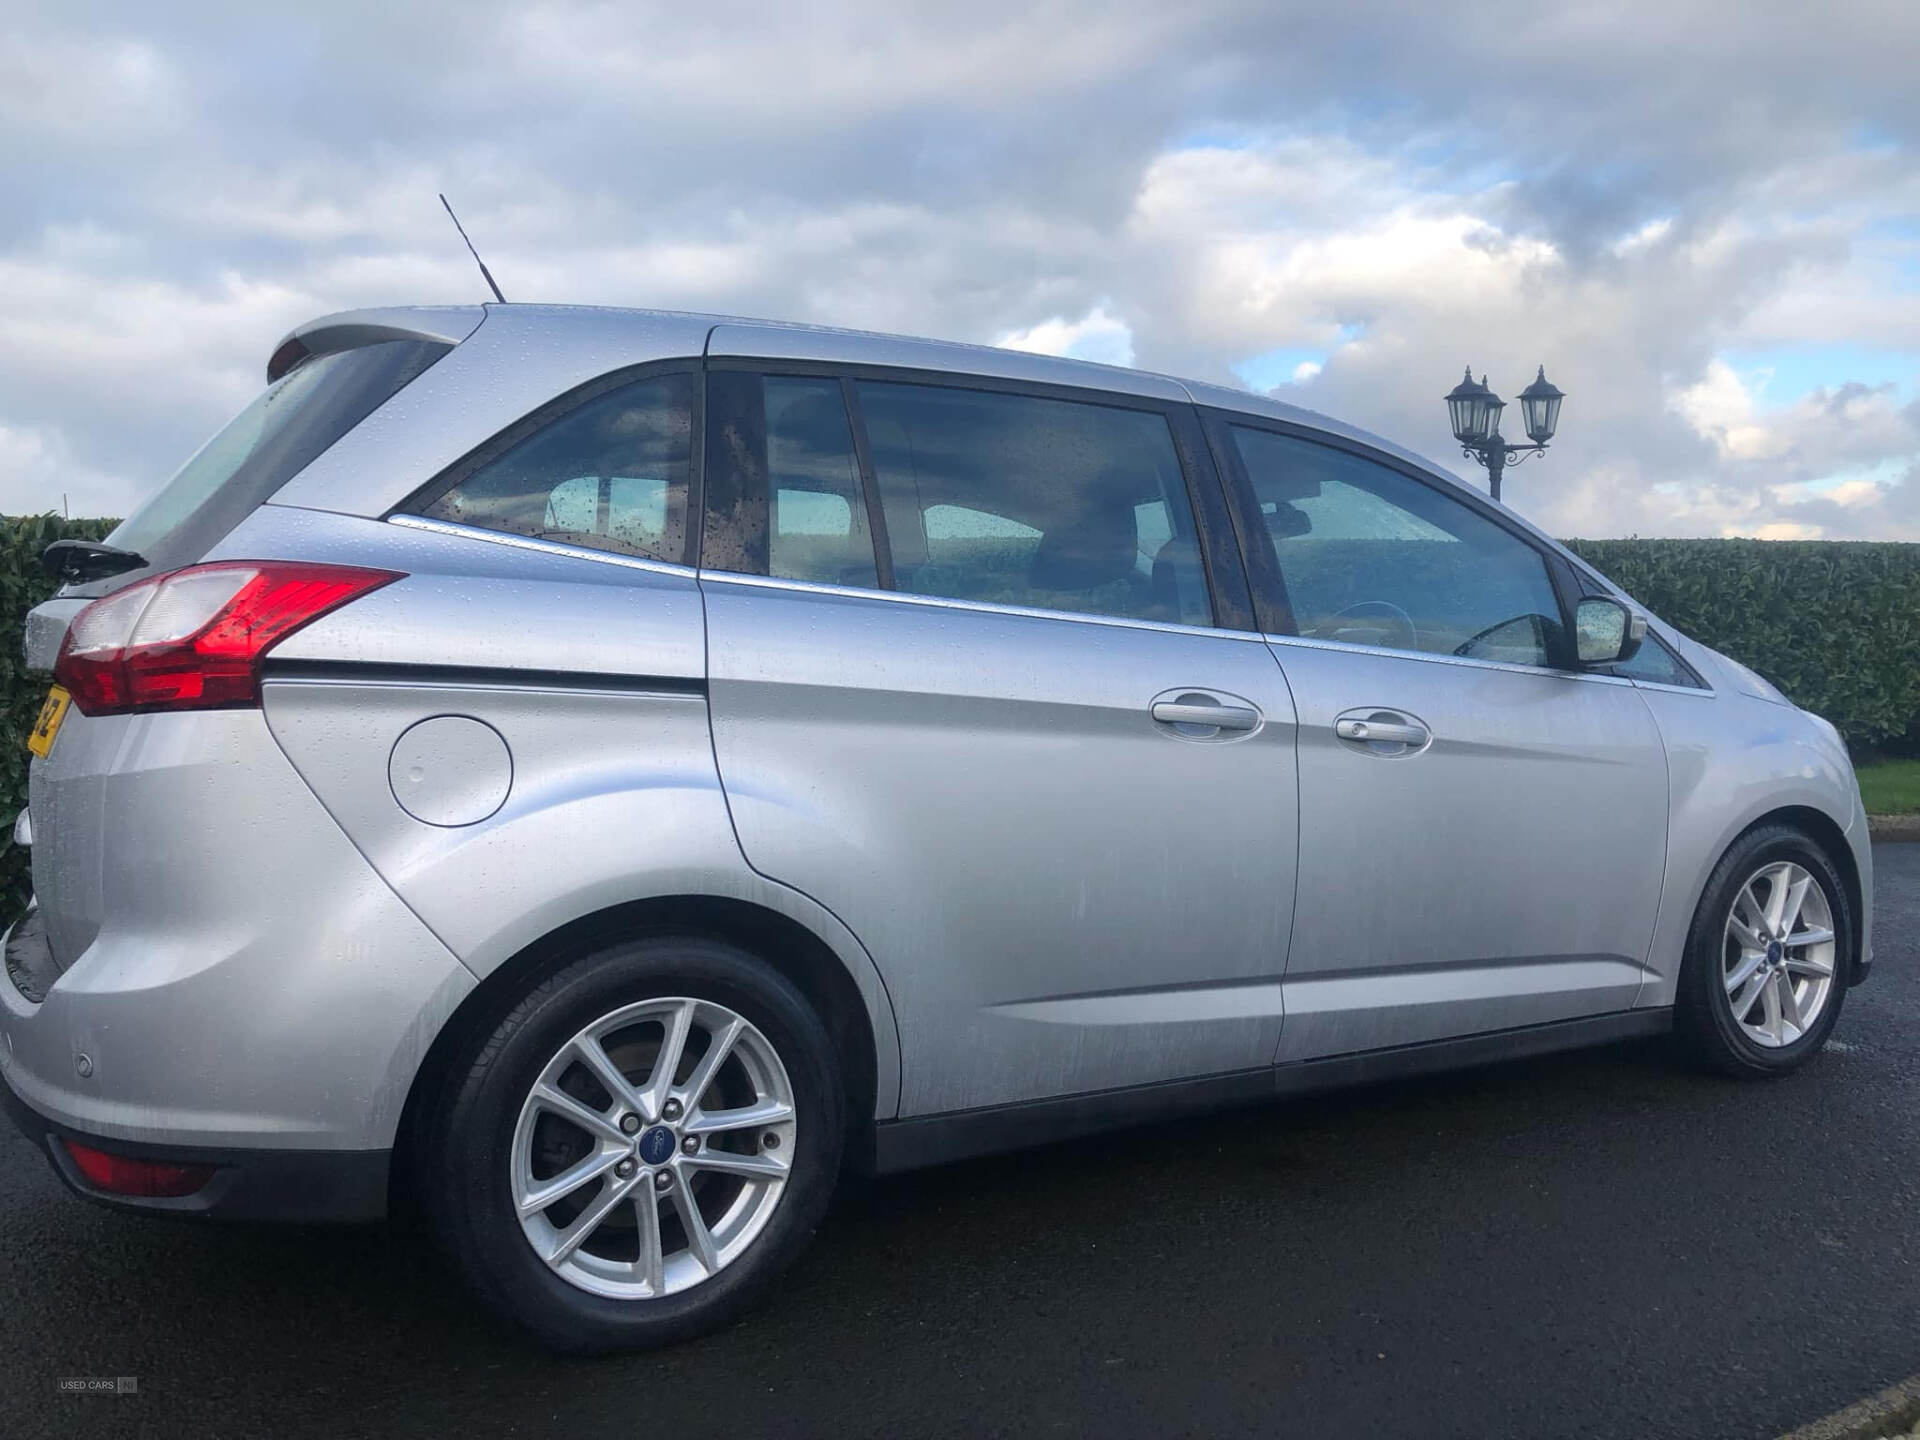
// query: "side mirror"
[[1606, 632]]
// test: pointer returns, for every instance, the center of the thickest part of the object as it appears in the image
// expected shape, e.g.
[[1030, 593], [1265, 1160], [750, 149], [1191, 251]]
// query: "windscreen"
[[285, 428]]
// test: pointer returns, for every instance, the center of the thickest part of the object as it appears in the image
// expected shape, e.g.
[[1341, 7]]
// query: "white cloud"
[[100, 90], [1097, 335], [1852, 493], [1184, 188], [1644, 238], [1721, 409]]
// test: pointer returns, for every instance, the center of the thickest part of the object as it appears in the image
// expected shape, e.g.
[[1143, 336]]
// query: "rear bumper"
[[309, 1186], [227, 973]]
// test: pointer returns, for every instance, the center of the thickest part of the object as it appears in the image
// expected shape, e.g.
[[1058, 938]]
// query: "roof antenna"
[[485, 273]]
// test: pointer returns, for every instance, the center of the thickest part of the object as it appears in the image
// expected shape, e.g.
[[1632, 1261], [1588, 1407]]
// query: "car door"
[[1483, 826], [968, 692]]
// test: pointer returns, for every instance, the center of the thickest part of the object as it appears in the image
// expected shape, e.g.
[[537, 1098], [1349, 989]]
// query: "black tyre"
[[645, 1140], [1767, 959]]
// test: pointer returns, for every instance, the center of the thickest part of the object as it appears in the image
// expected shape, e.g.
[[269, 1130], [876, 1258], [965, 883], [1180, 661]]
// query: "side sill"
[[897, 1145]]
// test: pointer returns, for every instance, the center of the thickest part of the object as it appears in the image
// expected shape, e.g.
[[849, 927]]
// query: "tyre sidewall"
[[475, 1209]]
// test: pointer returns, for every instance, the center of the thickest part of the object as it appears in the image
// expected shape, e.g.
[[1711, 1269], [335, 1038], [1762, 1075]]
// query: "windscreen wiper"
[[74, 562]]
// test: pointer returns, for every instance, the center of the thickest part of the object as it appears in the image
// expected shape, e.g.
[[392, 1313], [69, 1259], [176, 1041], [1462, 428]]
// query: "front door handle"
[[1381, 732], [1221, 717]]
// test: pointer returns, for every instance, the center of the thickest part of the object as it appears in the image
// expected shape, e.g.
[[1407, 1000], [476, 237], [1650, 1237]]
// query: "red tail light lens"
[[194, 639], [123, 1175]]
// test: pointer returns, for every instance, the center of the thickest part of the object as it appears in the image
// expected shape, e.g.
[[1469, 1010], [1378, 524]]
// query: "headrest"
[[1098, 546]]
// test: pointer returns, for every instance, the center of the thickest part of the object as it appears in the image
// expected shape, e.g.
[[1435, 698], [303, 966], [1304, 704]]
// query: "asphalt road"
[[1599, 1244]]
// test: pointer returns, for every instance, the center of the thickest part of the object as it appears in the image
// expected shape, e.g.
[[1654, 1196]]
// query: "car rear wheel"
[[646, 1139], [1765, 971]]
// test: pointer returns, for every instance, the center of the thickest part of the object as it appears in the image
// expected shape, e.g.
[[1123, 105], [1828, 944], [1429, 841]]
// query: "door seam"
[[726, 801]]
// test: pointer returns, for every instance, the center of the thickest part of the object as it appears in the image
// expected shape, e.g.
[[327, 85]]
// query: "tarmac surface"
[[1600, 1244]]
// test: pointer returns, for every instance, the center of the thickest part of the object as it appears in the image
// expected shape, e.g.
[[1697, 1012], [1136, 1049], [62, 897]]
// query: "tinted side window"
[[610, 474], [1373, 557], [783, 491], [1656, 664], [1020, 500], [817, 521]]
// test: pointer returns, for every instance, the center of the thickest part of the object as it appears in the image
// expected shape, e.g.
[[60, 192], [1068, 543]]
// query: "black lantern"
[[1474, 411], [1540, 404]]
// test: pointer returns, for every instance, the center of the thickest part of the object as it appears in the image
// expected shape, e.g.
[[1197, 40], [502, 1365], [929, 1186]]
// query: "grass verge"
[[1891, 787]]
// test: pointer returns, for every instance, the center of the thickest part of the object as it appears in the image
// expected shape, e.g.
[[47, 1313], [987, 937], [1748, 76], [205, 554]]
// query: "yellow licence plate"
[[40, 739]]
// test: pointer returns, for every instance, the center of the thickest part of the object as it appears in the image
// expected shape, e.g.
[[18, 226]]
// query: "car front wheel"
[[1765, 971]]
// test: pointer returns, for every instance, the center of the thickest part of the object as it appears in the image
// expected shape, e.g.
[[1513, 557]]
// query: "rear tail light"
[[194, 639], [124, 1175]]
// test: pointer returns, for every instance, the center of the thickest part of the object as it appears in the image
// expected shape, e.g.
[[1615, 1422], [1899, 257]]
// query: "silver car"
[[588, 775]]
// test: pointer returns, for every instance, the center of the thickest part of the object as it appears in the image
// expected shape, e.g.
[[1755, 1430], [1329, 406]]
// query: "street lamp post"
[[1475, 410]]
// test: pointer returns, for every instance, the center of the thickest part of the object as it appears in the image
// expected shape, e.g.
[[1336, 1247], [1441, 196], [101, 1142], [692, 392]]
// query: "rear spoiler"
[[350, 329], [75, 562]]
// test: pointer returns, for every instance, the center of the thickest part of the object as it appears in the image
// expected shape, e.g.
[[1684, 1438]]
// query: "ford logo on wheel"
[[656, 1146]]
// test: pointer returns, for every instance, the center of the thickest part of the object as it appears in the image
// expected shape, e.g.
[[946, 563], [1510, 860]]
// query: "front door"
[[1005, 743], [1483, 828]]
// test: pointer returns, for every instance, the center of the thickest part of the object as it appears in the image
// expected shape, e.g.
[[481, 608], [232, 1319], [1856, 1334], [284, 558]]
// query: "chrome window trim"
[[543, 547], [1346, 648], [987, 607], [1704, 692]]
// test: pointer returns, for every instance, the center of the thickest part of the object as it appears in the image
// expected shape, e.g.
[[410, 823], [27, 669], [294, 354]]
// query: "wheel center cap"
[[656, 1146], [1774, 952]]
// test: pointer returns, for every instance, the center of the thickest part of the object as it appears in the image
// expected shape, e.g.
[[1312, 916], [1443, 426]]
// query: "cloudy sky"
[[1703, 217]]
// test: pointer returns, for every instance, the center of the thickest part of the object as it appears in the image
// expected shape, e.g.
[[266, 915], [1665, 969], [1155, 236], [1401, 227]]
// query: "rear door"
[[1483, 827], [970, 690]]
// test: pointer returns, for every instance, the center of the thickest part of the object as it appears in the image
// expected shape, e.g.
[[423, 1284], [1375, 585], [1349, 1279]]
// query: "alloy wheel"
[[653, 1148], [1779, 954]]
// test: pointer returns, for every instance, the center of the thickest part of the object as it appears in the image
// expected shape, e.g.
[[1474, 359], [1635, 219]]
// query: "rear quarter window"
[[609, 471]]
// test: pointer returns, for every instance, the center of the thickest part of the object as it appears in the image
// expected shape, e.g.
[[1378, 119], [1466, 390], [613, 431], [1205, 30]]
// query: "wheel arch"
[[783, 942], [1825, 832]]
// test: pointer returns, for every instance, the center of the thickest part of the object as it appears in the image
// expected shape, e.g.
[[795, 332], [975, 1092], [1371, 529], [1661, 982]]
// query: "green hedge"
[[23, 585], [1835, 624]]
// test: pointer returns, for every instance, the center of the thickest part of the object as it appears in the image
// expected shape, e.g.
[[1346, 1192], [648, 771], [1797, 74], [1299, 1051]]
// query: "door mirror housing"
[[1606, 631]]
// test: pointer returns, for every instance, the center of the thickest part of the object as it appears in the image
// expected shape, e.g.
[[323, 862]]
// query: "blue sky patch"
[[1277, 367], [1778, 375]]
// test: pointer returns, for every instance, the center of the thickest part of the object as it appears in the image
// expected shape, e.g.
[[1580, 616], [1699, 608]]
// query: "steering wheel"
[[1465, 647], [1362, 608]]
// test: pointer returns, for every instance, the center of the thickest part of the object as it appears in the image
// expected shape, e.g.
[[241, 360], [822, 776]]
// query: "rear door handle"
[[1382, 732], [1221, 717], [1377, 730]]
